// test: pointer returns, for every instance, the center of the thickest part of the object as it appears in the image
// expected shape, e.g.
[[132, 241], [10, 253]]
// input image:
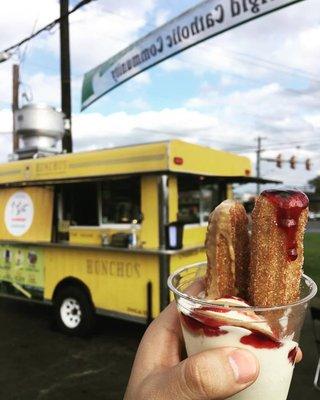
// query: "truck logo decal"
[[18, 214], [119, 269]]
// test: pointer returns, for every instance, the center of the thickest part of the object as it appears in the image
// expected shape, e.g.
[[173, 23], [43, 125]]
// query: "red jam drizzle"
[[197, 323], [289, 205], [260, 341], [292, 355], [214, 309]]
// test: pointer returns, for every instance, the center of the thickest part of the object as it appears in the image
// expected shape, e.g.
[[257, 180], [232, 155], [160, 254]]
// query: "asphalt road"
[[39, 363]]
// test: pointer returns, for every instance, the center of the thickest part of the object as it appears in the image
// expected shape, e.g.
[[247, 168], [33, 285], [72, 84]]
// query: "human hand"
[[159, 373]]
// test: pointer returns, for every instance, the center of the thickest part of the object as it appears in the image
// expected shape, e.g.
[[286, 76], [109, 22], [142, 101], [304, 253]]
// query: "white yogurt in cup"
[[271, 334]]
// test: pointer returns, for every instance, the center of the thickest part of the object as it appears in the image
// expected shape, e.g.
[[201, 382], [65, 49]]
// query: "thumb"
[[212, 375]]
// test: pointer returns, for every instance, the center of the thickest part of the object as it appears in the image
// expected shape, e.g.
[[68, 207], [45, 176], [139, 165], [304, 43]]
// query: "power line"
[[9, 50], [48, 27], [251, 149], [276, 66], [275, 146], [22, 56]]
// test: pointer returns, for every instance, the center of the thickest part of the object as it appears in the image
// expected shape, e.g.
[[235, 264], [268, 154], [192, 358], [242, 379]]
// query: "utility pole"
[[258, 151], [65, 74], [15, 104], [258, 163]]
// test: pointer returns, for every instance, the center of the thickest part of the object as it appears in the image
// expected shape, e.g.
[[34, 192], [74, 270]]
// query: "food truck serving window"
[[120, 201], [80, 203], [196, 199]]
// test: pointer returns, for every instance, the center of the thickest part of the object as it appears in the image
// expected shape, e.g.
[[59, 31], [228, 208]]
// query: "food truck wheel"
[[74, 312]]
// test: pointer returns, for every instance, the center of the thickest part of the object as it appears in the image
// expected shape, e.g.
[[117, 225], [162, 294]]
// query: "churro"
[[227, 248], [278, 224], [267, 278]]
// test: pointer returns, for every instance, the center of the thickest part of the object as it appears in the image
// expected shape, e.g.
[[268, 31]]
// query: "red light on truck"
[[178, 160]]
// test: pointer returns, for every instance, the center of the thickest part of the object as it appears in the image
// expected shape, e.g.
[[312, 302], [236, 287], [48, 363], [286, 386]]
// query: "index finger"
[[161, 345], [164, 336]]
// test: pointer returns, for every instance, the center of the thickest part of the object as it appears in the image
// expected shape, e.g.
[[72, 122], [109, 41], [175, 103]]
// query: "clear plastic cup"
[[271, 334]]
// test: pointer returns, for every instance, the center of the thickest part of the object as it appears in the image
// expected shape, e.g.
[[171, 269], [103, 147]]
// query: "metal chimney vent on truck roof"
[[40, 128]]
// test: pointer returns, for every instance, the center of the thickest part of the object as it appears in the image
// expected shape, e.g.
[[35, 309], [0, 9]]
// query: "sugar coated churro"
[[278, 224], [227, 248], [245, 281]]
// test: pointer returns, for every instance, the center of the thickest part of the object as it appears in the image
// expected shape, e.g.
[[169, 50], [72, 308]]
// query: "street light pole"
[[65, 74]]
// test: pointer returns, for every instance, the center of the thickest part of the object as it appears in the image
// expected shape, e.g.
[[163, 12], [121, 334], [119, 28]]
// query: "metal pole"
[[65, 74], [163, 209], [149, 303], [15, 104], [164, 259], [258, 163]]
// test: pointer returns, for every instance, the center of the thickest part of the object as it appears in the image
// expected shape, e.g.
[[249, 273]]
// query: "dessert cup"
[[271, 334]]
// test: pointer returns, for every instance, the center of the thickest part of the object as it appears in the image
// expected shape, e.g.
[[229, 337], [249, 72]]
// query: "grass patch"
[[312, 257]]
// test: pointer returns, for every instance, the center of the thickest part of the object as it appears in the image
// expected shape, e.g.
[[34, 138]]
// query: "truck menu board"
[[22, 266]]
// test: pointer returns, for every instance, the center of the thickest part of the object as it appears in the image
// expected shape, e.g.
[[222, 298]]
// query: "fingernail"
[[244, 365]]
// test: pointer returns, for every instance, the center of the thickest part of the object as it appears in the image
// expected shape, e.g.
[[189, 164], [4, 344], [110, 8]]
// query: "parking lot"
[[39, 363]]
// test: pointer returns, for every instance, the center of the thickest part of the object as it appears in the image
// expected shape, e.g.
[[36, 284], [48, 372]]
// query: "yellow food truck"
[[100, 231]]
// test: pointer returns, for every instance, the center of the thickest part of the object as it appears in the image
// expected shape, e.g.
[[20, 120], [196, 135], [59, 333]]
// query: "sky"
[[260, 79]]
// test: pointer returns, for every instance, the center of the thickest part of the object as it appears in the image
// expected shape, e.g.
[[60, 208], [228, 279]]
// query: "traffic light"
[[279, 160], [293, 162], [308, 164]]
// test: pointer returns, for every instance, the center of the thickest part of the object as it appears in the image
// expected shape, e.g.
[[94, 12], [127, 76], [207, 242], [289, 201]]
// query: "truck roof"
[[174, 156]]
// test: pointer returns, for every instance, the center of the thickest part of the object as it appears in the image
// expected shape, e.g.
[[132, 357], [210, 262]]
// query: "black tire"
[[73, 311]]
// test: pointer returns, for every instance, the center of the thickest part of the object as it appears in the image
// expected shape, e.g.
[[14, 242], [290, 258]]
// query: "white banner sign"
[[207, 19]]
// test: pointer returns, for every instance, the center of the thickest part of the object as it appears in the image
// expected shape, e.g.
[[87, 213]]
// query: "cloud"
[[121, 128], [143, 78], [99, 30], [138, 104], [314, 120], [29, 13], [5, 134], [45, 88], [191, 125], [6, 83], [5, 122], [95, 131], [162, 16], [261, 79], [5, 146], [270, 109], [38, 88]]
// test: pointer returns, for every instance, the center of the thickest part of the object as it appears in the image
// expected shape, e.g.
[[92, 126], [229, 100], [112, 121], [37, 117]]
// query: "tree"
[[315, 182]]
